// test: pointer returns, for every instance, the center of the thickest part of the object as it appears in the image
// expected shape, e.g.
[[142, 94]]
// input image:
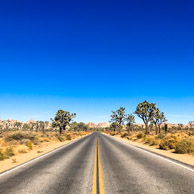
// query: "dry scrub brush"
[[14, 143], [180, 142]]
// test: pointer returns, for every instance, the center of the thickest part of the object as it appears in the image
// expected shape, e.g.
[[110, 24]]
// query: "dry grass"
[[178, 141], [22, 149], [16, 143]]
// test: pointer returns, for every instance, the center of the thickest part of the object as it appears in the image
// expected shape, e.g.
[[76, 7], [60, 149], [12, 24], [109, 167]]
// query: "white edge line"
[[39, 157], [136, 147]]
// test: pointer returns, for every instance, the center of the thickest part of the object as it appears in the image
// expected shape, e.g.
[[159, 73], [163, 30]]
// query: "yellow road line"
[[101, 183], [97, 169], [94, 189]]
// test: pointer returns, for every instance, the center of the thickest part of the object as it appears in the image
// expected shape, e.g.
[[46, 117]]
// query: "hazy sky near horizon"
[[91, 57]]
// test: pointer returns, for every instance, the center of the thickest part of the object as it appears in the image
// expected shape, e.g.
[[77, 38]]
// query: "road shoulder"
[[182, 158]]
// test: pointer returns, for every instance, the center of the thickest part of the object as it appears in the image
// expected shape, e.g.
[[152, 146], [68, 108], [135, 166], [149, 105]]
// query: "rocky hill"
[[99, 125]]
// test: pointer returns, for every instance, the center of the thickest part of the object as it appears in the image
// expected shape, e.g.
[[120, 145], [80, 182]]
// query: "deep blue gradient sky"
[[91, 57]]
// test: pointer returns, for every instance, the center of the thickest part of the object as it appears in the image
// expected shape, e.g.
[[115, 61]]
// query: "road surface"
[[98, 163]]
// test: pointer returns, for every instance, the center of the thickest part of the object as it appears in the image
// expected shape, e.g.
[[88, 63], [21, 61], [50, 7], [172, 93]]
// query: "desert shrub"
[[29, 144], [15, 136], [112, 133], [164, 145], [160, 136], [191, 133], [129, 138], [68, 137], [148, 140], [44, 135], [60, 138], [169, 142], [22, 137], [124, 135], [30, 136], [44, 139], [140, 135], [24, 141], [184, 146], [155, 142], [151, 141], [9, 152], [35, 141], [81, 133]]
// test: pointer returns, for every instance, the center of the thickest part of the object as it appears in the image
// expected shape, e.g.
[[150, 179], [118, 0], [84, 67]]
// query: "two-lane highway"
[[98, 163]]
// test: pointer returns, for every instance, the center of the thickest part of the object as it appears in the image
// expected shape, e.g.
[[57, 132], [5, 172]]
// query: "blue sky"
[[91, 57]]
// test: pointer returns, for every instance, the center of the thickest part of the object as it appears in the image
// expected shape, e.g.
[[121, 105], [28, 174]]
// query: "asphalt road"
[[125, 169]]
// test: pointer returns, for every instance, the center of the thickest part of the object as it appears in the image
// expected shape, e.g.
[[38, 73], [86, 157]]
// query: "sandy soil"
[[185, 158], [37, 151]]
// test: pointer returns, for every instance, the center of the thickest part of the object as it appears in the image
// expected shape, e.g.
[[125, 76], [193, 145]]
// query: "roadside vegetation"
[[148, 112], [21, 138], [180, 142], [14, 143], [154, 132]]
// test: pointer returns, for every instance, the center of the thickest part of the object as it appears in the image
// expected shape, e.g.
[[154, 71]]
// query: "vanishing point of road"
[[98, 163]]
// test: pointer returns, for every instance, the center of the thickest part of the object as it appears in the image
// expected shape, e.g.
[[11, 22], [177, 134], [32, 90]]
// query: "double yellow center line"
[[98, 185]]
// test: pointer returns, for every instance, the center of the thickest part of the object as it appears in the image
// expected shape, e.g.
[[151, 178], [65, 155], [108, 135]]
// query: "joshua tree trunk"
[[120, 129], [166, 128], [147, 127], [129, 129], [60, 130], [159, 128], [156, 129]]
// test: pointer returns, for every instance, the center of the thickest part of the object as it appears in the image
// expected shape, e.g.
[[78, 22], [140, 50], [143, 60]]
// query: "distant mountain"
[[10, 123], [99, 125]]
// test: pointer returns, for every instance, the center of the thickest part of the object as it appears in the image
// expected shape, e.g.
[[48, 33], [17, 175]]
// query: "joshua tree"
[[42, 126], [114, 126], [158, 119], [7, 124], [145, 111], [82, 126], [37, 126], [32, 125], [180, 126], [62, 119], [18, 125], [74, 126], [119, 117], [26, 126], [165, 128], [130, 121]]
